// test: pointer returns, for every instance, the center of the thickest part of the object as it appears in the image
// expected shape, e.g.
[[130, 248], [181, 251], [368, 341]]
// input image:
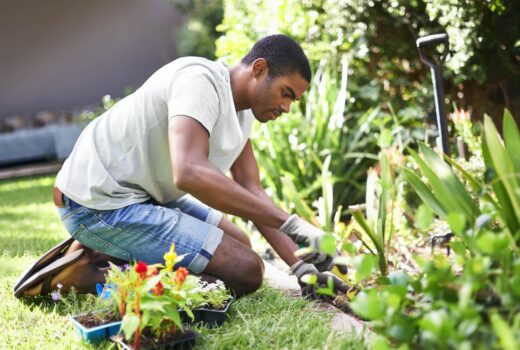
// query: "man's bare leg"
[[237, 265], [234, 262]]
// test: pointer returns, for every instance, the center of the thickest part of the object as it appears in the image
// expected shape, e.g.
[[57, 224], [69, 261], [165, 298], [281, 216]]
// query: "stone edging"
[[341, 321]]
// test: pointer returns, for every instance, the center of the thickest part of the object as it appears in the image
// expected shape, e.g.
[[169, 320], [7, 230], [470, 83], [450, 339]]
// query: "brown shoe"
[[72, 270]]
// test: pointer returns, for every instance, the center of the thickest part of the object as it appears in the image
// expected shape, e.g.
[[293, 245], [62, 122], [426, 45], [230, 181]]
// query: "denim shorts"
[[145, 231]]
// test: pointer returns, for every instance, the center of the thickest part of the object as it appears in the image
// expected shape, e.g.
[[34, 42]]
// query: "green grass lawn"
[[29, 226]]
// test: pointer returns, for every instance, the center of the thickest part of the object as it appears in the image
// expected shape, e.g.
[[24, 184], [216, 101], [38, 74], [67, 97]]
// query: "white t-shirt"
[[122, 157]]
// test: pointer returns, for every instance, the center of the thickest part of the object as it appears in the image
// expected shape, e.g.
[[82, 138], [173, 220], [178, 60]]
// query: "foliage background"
[[379, 39]]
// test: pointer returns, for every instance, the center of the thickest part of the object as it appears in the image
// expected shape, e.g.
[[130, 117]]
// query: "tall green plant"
[[377, 226], [476, 305], [446, 195]]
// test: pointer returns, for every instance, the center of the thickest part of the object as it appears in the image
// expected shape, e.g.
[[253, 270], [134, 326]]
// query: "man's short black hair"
[[283, 55]]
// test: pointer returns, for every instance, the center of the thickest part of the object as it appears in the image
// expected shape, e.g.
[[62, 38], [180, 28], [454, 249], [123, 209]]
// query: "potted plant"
[[96, 326], [211, 303], [149, 301]]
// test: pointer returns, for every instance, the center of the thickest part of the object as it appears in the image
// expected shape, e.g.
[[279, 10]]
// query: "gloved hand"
[[307, 235], [301, 269]]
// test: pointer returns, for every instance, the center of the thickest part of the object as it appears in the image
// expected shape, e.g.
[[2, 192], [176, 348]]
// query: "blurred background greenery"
[[369, 84]]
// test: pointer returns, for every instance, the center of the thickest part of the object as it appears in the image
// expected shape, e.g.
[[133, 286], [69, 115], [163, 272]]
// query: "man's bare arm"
[[193, 173], [245, 172]]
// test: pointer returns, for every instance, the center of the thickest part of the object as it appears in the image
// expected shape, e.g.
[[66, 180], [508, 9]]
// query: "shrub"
[[471, 299]]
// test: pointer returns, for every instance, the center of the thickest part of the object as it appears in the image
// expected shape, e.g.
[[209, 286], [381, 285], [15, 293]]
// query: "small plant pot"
[[184, 340], [96, 333], [208, 316]]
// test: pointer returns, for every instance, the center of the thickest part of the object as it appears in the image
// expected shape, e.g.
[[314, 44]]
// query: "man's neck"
[[239, 77]]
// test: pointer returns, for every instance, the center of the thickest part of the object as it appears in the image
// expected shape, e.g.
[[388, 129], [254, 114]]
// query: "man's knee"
[[238, 266], [252, 274]]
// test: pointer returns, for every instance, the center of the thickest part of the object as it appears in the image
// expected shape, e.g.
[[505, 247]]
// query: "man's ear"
[[260, 67]]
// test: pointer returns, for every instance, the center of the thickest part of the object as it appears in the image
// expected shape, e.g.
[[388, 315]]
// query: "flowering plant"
[[150, 296], [214, 295]]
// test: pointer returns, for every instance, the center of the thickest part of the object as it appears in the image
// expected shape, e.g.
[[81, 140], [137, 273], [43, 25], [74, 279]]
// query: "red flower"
[[181, 274], [158, 289], [141, 268]]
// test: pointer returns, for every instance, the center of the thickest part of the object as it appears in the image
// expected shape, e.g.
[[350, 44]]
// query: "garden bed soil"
[[96, 326], [96, 318], [178, 340]]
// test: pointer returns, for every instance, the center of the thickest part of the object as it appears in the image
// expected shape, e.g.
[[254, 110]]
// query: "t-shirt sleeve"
[[192, 92]]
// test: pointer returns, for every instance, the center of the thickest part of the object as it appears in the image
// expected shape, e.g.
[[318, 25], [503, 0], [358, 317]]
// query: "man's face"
[[273, 96]]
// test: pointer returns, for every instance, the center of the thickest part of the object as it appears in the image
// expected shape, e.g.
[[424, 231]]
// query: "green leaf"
[[364, 265], [504, 333], [385, 138], [328, 244], [386, 183], [369, 305], [153, 305], [457, 222], [423, 217], [425, 193], [379, 343], [172, 313], [399, 277], [445, 182], [476, 186], [512, 140], [151, 282], [493, 243], [349, 247], [458, 248], [505, 207], [129, 325], [502, 164]]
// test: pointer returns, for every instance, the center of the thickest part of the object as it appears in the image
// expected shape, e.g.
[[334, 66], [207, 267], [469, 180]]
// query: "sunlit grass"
[[29, 226]]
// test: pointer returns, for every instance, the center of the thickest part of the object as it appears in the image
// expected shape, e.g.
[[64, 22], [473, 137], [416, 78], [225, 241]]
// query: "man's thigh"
[[145, 232], [192, 206]]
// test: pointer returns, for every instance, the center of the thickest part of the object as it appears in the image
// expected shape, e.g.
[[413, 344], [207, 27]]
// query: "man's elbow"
[[184, 178]]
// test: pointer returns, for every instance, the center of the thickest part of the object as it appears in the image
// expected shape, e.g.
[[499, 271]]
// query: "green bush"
[[198, 34], [379, 39], [472, 299]]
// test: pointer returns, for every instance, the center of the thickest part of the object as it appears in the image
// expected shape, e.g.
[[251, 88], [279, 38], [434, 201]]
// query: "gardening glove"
[[310, 291], [307, 235]]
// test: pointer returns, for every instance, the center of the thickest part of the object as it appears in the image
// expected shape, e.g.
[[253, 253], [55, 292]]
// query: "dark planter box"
[[95, 334], [209, 317], [181, 341]]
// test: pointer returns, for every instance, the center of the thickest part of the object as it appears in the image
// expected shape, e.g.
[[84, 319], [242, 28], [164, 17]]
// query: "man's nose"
[[285, 107]]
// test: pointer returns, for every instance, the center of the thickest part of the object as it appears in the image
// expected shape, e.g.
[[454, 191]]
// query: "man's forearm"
[[218, 191], [281, 243]]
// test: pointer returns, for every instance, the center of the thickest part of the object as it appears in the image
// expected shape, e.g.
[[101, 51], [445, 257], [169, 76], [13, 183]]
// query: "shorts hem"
[[199, 263]]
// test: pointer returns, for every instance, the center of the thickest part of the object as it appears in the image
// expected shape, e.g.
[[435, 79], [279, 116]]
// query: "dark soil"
[[96, 318], [342, 302]]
